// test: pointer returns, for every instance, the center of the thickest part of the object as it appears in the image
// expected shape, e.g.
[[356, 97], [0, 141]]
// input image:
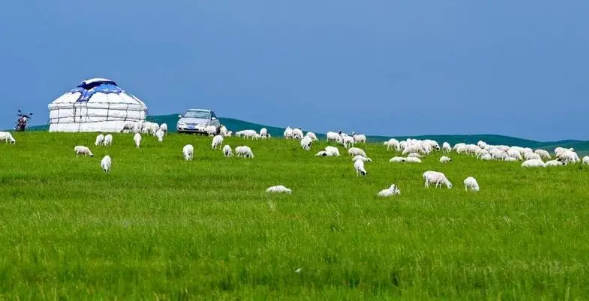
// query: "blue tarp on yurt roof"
[[97, 85]]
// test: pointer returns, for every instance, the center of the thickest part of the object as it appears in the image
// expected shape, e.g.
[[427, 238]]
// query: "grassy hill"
[[158, 227], [237, 125]]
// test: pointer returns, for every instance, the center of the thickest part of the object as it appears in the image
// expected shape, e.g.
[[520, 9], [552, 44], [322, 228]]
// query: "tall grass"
[[158, 227]]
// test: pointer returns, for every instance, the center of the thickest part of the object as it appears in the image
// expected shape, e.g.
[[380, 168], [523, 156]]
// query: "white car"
[[196, 120]]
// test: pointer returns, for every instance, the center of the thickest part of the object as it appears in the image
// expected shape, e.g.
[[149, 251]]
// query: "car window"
[[197, 114], [213, 114]]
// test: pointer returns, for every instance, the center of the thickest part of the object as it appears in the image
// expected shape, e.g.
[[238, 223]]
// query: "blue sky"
[[518, 68]]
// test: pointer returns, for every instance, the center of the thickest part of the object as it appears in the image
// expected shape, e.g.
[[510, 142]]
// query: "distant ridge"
[[238, 125]]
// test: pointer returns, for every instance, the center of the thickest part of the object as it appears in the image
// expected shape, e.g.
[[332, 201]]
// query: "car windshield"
[[197, 114]]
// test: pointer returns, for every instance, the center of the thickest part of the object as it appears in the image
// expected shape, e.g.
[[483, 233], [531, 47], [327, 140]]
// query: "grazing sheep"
[[412, 160], [359, 138], [334, 151], [223, 131], [7, 137], [297, 134], [227, 151], [107, 140], [164, 128], [263, 132], [105, 163], [359, 166], [510, 159], [348, 141], [586, 160], [446, 148], [211, 130], [82, 150], [306, 143], [487, 157], [160, 135], [445, 159], [99, 140], [244, 151], [323, 154], [397, 159], [137, 139], [246, 134], [436, 177], [544, 154], [188, 152], [333, 136], [365, 159], [471, 183], [393, 190], [287, 133], [354, 151], [311, 135], [278, 189], [555, 163], [534, 163], [568, 156], [128, 127], [217, 142]]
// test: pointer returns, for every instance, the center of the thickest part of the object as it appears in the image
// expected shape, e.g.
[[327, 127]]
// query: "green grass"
[[158, 227]]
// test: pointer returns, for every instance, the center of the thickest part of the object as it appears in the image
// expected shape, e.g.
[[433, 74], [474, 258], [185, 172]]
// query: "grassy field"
[[160, 228]]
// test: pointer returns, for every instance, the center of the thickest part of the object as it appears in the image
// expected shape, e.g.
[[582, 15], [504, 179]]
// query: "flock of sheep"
[[411, 149]]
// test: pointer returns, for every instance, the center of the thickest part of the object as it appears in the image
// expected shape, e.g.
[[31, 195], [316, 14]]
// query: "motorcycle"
[[22, 121]]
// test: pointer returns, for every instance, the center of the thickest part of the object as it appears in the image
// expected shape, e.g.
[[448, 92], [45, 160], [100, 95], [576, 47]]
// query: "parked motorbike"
[[22, 121]]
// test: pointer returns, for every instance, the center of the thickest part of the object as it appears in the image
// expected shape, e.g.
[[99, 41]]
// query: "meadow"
[[160, 228]]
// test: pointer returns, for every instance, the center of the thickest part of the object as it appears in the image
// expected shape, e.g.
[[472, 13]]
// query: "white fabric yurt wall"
[[96, 105]]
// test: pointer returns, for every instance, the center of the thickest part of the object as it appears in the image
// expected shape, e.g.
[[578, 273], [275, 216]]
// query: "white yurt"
[[95, 105]]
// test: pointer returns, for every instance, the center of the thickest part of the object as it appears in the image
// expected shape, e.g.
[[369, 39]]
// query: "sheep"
[[412, 160], [223, 131], [217, 142], [137, 139], [244, 151], [446, 148], [211, 130], [128, 127], [323, 154], [160, 135], [348, 141], [569, 156], [188, 152], [486, 157], [164, 128], [227, 151], [414, 155], [7, 137], [532, 156], [397, 159], [354, 151], [287, 133], [445, 159], [586, 160], [105, 163], [333, 136], [278, 189], [99, 140], [311, 135], [436, 177], [306, 143], [365, 159], [359, 166], [510, 159], [334, 151], [555, 163], [359, 138], [246, 134], [297, 134], [533, 163], [263, 132], [544, 154], [82, 150], [107, 140], [471, 183], [393, 190]]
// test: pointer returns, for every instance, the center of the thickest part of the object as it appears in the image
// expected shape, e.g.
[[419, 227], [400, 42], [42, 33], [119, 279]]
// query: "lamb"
[[533, 163], [334, 151], [365, 159], [244, 151], [532, 156], [287, 133], [569, 156], [160, 135], [297, 134], [217, 142], [333, 136], [107, 140], [555, 163], [354, 151], [105, 163], [393, 190], [359, 138], [128, 127], [397, 159], [311, 135], [348, 141], [211, 130], [446, 148], [82, 150], [436, 177], [586, 160], [279, 189], [223, 131], [99, 140], [323, 154], [164, 128], [359, 166], [263, 132], [445, 159], [247, 133], [544, 154], [471, 183], [227, 151], [306, 143], [188, 152], [412, 160], [7, 137], [137, 139]]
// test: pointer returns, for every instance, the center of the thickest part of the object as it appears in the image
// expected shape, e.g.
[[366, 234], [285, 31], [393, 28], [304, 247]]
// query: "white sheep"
[[306, 143], [164, 128], [471, 183], [553, 163], [217, 142], [7, 137], [227, 151], [107, 140], [311, 135], [436, 177], [348, 141], [445, 159], [412, 160], [586, 160], [393, 143], [365, 159], [358, 138], [333, 136], [211, 130], [510, 159], [223, 131], [323, 154], [287, 133], [105, 163], [359, 166], [99, 140], [397, 159], [137, 139], [279, 189], [334, 151], [446, 148], [244, 151], [188, 152], [354, 151], [569, 156], [543, 153], [263, 132], [160, 135], [393, 190], [82, 150], [533, 163]]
